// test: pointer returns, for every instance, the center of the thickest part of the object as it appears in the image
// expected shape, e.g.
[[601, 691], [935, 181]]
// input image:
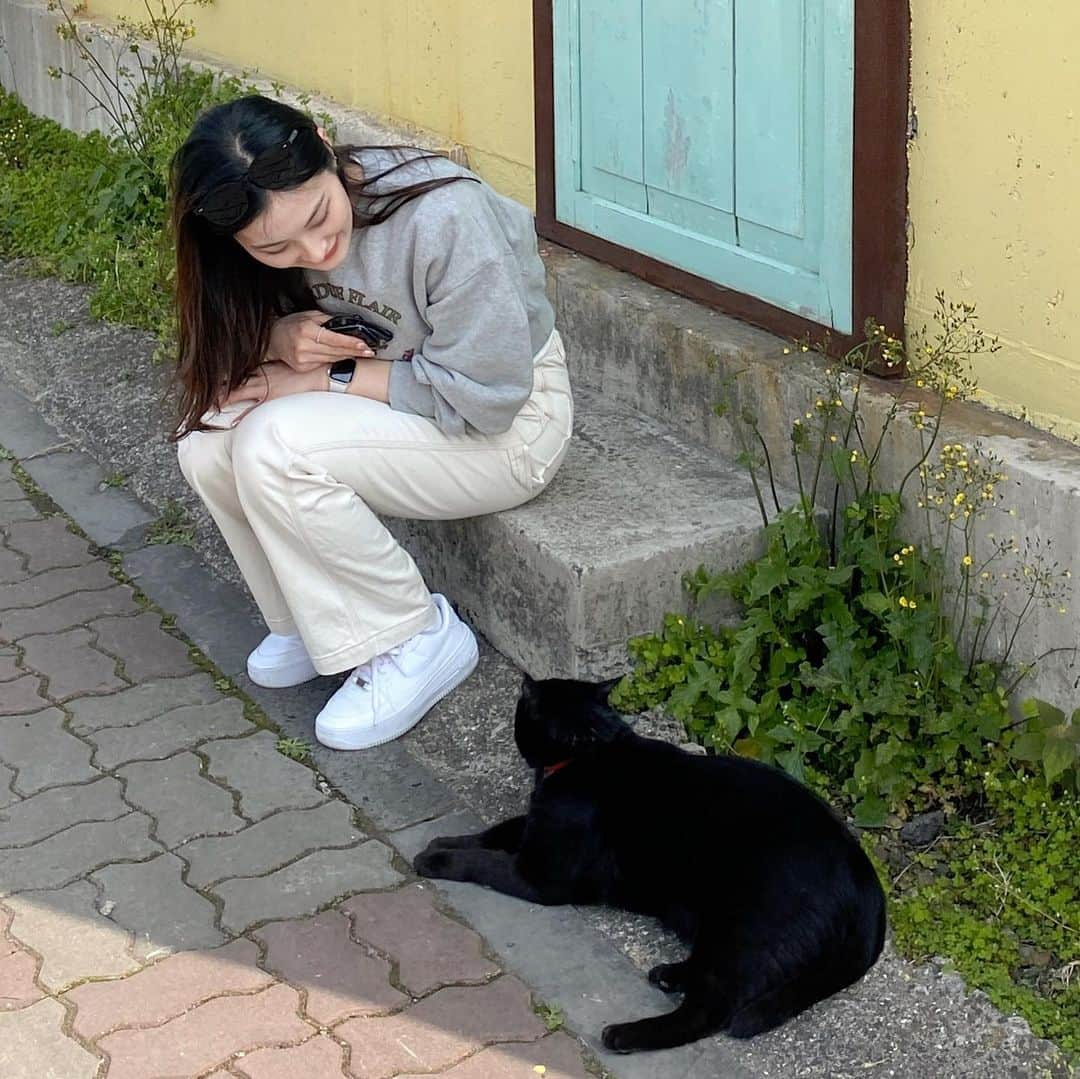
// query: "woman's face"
[[308, 227]]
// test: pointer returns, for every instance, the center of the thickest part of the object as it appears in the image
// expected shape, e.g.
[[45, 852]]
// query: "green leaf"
[[1028, 747], [792, 763], [767, 577], [871, 811], [754, 748], [1041, 714], [991, 722], [1058, 755], [875, 602], [840, 576], [731, 720], [887, 752]]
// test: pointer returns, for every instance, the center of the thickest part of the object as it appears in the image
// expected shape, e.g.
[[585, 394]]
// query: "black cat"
[[779, 904]]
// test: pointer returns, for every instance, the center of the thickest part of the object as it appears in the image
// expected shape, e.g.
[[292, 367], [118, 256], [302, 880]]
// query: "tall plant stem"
[[1019, 622], [769, 469]]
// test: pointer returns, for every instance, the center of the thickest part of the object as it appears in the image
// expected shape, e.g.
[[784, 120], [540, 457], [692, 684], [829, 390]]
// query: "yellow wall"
[[995, 169], [462, 68], [995, 190]]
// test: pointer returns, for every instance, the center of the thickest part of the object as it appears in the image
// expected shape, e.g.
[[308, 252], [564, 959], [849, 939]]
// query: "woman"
[[454, 402]]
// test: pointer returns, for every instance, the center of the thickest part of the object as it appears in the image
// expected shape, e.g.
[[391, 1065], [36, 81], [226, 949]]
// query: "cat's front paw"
[[432, 861], [618, 1038]]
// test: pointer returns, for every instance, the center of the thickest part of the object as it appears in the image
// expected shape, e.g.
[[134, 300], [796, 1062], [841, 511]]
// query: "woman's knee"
[[261, 441]]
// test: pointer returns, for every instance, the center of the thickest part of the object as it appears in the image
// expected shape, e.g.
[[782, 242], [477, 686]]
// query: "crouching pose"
[[363, 333]]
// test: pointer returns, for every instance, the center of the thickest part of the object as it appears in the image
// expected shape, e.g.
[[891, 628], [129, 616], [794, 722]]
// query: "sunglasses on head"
[[274, 169]]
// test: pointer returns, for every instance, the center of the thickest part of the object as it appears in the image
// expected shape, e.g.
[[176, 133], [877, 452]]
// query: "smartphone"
[[376, 337]]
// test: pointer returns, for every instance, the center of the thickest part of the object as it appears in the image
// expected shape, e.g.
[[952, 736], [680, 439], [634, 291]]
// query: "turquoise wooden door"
[[716, 136]]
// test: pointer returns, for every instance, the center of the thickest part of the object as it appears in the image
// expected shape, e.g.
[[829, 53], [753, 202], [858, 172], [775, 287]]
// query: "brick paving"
[[179, 899]]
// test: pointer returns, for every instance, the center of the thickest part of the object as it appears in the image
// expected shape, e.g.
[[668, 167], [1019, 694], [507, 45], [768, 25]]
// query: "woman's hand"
[[300, 341], [273, 380]]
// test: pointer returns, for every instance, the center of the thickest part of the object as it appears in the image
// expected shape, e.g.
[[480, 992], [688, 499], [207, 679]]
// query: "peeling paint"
[[677, 153]]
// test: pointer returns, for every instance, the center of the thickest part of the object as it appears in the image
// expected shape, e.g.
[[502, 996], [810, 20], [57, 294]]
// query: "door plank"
[[689, 73], [612, 110]]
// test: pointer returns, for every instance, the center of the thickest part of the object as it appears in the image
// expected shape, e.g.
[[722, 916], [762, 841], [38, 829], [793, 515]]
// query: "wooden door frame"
[[879, 248]]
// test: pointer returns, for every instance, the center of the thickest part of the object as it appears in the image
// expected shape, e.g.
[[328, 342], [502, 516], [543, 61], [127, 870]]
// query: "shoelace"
[[364, 674]]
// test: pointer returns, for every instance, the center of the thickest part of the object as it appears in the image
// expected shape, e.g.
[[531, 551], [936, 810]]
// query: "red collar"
[[551, 769]]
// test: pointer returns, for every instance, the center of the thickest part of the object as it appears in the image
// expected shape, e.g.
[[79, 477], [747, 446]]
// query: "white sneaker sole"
[[294, 673], [457, 666]]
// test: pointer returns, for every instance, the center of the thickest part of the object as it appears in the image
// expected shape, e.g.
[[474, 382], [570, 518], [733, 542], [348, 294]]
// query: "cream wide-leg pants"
[[297, 484]]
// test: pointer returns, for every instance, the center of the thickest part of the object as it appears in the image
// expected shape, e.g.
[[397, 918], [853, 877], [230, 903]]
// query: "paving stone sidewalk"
[[177, 898]]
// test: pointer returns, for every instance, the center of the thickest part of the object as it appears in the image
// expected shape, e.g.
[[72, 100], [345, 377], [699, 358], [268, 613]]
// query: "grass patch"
[[551, 1016], [296, 749], [86, 209], [76, 209], [173, 526], [998, 893]]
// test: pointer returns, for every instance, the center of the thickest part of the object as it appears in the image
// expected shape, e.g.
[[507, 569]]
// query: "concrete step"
[[560, 584], [667, 356]]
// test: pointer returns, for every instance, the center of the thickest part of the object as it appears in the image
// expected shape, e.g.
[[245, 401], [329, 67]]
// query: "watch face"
[[343, 371]]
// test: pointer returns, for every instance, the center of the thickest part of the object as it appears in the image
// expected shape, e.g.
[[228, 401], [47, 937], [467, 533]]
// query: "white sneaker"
[[280, 661], [384, 698]]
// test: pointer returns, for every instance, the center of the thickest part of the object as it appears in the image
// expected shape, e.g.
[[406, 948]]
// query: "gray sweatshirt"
[[456, 276]]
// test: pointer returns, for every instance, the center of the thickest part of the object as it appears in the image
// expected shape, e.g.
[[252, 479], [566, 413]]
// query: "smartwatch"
[[341, 374]]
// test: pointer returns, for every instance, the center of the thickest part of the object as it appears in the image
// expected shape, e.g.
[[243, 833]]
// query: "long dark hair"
[[226, 301]]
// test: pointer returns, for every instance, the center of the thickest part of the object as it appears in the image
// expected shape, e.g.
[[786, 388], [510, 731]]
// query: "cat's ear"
[[528, 687]]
